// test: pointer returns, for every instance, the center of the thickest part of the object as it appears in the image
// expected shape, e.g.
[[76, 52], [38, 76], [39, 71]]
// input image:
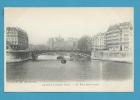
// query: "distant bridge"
[[35, 53], [65, 51]]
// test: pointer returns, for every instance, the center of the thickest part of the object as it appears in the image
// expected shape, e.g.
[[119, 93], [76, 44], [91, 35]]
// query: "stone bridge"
[[36, 53]]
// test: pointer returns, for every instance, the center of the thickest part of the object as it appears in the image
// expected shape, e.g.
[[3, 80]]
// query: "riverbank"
[[123, 60], [17, 60]]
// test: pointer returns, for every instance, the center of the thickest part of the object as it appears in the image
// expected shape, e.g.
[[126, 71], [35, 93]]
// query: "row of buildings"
[[16, 38], [59, 43], [117, 41], [17, 46]]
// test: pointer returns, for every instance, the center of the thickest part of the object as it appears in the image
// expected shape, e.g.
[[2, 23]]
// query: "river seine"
[[45, 69]]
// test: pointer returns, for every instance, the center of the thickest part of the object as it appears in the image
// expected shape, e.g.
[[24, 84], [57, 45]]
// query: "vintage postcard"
[[69, 49]]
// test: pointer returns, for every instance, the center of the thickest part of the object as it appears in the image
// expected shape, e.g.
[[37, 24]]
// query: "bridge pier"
[[34, 56]]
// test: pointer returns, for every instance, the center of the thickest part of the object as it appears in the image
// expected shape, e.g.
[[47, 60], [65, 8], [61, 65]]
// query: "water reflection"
[[117, 71], [53, 70]]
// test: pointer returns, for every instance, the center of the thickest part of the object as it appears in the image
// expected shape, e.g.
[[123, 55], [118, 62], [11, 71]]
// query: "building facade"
[[56, 43], [59, 43], [127, 36], [116, 43], [119, 37], [17, 38], [99, 42], [113, 38]]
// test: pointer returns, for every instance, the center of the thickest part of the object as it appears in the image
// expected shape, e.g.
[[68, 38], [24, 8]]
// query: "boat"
[[63, 61], [60, 57]]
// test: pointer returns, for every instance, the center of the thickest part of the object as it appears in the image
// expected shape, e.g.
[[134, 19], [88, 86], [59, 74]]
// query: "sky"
[[43, 23]]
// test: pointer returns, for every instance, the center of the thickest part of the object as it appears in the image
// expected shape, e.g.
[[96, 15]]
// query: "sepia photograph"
[[68, 49]]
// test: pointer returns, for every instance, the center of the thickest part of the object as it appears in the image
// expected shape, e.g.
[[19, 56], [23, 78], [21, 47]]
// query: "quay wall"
[[119, 56]]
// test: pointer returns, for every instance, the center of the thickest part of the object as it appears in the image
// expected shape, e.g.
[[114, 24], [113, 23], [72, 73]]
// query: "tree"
[[84, 43]]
